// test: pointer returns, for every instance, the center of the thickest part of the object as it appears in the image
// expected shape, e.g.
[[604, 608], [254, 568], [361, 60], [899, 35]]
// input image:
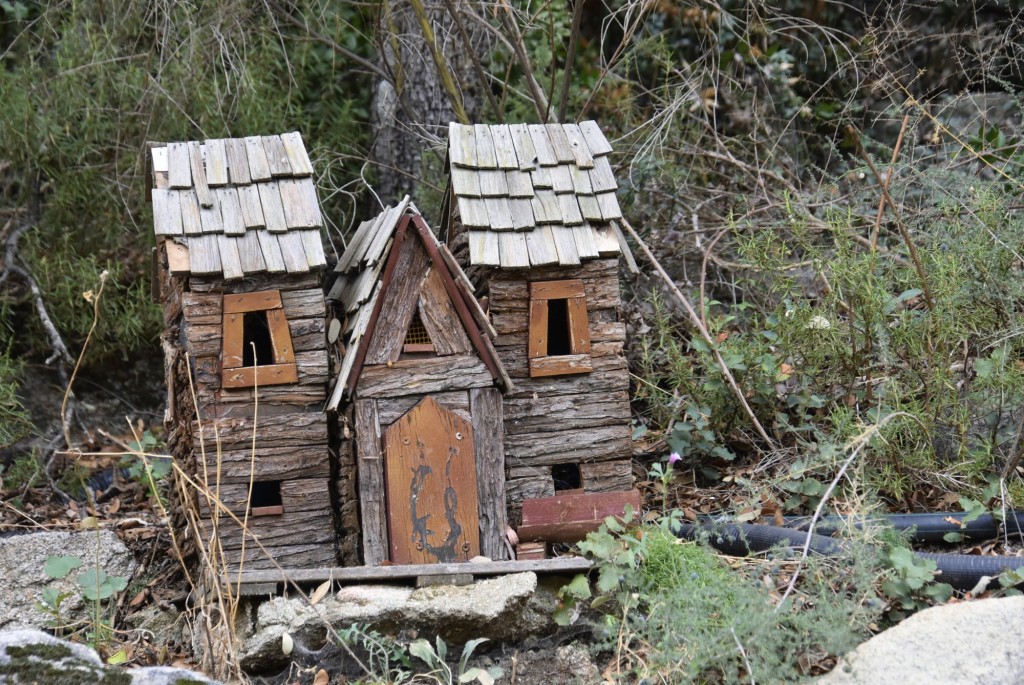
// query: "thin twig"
[[474, 58], [712, 345], [886, 181], [570, 57], [540, 102]]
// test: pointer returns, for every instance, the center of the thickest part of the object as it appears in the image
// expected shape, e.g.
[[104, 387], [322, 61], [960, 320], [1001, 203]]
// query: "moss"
[[55, 665]]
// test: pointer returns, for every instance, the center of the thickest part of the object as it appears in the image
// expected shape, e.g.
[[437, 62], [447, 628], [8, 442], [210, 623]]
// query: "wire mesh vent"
[[417, 335]]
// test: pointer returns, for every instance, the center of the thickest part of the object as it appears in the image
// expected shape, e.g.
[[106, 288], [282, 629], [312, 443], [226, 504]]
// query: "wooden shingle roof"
[[232, 207], [362, 277], [534, 195]]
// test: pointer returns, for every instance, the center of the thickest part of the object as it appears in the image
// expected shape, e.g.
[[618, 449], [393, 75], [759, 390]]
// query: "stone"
[[32, 656], [502, 609], [953, 644], [23, 557]]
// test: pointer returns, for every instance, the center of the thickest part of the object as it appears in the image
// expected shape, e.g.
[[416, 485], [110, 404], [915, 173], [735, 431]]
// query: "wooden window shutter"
[[256, 319], [559, 335]]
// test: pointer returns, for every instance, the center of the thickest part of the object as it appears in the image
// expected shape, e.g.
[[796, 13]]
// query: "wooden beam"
[[557, 565], [568, 518], [370, 473]]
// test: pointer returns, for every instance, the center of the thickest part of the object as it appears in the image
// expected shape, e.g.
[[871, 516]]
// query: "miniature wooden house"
[[239, 262], [420, 382], [531, 215]]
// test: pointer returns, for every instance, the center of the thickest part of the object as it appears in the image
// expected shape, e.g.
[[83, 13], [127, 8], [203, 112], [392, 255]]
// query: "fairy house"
[[531, 213], [239, 260], [420, 384]]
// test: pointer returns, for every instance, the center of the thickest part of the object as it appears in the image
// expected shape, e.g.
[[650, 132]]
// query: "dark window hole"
[[558, 328], [566, 477], [266, 498], [256, 340]]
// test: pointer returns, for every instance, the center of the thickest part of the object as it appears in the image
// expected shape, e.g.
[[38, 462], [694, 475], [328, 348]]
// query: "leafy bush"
[[674, 613]]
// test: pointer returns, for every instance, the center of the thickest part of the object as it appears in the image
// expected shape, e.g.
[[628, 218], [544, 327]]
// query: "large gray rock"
[[32, 656], [502, 609], [969, 643], [23, 558]]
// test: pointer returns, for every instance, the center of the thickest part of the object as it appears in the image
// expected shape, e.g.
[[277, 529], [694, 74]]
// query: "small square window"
[[559, 342], [266, 499], [257, 342]]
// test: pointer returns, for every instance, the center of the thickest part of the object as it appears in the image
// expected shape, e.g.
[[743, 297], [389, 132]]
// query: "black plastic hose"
[[962, 571], [931, 527]]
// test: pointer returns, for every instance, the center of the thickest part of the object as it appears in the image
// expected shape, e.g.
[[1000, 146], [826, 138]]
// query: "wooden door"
[[430, 476]]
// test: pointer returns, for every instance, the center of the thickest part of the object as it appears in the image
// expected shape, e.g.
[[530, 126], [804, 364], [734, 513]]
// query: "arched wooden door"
[[430, 476]]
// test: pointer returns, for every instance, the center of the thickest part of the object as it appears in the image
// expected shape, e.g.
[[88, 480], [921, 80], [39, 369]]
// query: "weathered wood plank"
[[542, 145], [568, 518], [607, 476], [559, 565], [195, 157], [230, 211], [555, 413], [596, 141], [238, 303], [546, 449], [538, 485], [560, 144], [521, 210], [431, 482], [523, 145], [560, 365], [462, 144], [526, 551], [485, 157], [238, 162], [296, 151], [561, 179], [589, 207], [290, 430], [423, 376], [483, 248], [251, 207], [602, 180], [204, 254], [600, 293], [202, 308], [556, 290], [273, 211], [293, 252], [465, 182], [493, 183], [440, 318], [370, 467], [594, 269], [287, 529], [216, 162], [277, 156], [230, 261], [284, 556], [609, 206], [236, 466], [473, 212], [191, 223], [581, 152], [166, 212], [305, 303], [179, 167], [486, 409], [270, 246], [513, 251], [307, 334], [545, 207], [504, 149], [210, 216], [259, 165], [541, 245]]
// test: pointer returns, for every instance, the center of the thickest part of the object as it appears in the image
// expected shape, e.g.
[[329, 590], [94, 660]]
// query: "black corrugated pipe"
[[962, 571], [930, 527]]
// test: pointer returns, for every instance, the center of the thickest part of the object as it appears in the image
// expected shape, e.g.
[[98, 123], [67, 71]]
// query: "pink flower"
[[673, 458]]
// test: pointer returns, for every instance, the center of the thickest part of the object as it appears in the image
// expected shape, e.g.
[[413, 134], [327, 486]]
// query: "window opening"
[[566, 477], [266, 498], [416, 338], [559, 340], [256, 338]]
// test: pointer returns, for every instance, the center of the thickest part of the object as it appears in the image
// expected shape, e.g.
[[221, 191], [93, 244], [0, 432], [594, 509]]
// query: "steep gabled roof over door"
[[393, 269]]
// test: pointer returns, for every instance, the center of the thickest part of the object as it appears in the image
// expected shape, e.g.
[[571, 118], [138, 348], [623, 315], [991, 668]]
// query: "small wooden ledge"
[[358, 574]]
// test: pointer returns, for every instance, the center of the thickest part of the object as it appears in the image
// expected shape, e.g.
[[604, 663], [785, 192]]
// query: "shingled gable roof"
[[237, 206], [534, 195], [366, 269]]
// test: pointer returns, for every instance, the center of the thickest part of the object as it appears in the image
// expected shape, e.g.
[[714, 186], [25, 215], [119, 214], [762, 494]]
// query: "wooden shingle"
[[195, 157], [560, 143], [596, 141], [513, 251], [462, 145], [499, 214], [465, 182], [539, 136], [485, 158], [519, 184], [273, 210], [166, 212], [298, 159], [504, 148], [230, 210], [277, 156], [583, 157], [252, 208], [191, 224], [216, 163], [259, 166], [523, 144], [179, 167], [238, 162]]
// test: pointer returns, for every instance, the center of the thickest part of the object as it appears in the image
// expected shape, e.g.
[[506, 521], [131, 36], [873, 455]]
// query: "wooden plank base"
[[360, 574]]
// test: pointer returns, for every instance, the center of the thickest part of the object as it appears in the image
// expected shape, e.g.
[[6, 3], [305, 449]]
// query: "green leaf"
[[953, 537], [563, 614], [442, 649], [470, 675], [118, 657], [60, 567], [608, 579], [424, 651], [578, 588]]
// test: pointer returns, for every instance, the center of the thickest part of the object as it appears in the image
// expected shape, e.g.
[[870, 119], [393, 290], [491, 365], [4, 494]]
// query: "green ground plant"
[[673, 612]]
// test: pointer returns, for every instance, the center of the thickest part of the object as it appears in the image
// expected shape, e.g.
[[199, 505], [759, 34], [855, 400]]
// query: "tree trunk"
[[412, 110]]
